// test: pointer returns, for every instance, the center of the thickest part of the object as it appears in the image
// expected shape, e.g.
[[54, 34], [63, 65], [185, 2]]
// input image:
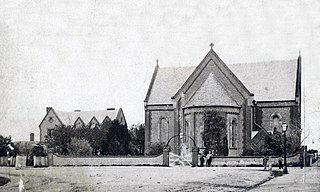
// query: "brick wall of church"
[[160, 119], [288, 113]]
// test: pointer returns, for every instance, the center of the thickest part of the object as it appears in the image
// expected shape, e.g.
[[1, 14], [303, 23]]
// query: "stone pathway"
[[306, 179]]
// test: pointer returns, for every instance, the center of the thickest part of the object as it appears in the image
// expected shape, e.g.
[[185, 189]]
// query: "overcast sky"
[[92, 55]]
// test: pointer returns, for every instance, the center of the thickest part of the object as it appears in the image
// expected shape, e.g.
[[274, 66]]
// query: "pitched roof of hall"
[[268, 81], [167, 82], [69, 118]]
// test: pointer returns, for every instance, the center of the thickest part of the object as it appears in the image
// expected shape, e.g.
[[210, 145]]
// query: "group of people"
[[266, 160], [206, 160]]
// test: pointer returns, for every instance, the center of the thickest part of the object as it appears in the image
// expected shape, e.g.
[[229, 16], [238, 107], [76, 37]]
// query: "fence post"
[[50, 157], [166, 151], [194, 156]]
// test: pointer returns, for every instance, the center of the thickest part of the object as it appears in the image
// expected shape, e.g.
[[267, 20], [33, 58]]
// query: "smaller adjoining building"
[[78, 118]]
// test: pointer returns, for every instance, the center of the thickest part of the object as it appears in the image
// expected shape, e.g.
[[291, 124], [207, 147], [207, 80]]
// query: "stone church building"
[[254, 98]]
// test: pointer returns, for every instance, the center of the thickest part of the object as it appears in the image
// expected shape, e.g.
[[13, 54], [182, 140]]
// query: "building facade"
[[77, 118], [253, 97]]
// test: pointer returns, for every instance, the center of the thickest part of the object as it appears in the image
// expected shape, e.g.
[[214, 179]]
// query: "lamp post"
[[284, 129]]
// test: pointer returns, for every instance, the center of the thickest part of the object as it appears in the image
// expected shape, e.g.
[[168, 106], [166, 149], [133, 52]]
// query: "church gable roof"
[[212, 57], [269, 81], [167, 82]]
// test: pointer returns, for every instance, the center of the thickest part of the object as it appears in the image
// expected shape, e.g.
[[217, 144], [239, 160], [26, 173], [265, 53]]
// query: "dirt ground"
[[122, 178]]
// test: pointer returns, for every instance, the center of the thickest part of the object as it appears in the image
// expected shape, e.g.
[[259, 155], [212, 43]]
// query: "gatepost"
[[166, 151], [194, 156], [50, 156]]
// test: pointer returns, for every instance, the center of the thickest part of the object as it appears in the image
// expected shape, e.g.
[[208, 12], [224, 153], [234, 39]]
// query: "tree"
[[118, 139], [109, 138], [137, 139], [38, 150], [60, 139], [79, 147], [215, 133], [4, 145], [275, 144], [156, 148]]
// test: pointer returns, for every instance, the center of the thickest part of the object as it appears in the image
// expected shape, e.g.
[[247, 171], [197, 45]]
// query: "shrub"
[[79, 147], [156, 148], [38, 150]]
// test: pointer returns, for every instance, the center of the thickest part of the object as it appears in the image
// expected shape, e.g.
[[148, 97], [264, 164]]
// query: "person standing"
[[202, 159], [270, 164], [280, 163], [209, 159], [265, 162], [301, 161]]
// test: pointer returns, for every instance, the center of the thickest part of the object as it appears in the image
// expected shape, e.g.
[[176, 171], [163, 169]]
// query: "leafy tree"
[[38, 150], [79, 147], [275, 144], [4, 145], [137, 139], [156, 148], [215, 133], [23, 147], [96, 136], [109, 138], [7, 146], [60, 139], [118, 139]]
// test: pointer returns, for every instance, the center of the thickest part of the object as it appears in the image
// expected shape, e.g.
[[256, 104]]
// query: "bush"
[[38, 150], [156, 148], [79, 147]]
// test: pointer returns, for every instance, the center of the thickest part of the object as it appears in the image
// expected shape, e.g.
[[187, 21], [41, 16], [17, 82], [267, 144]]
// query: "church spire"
[[299, 52]]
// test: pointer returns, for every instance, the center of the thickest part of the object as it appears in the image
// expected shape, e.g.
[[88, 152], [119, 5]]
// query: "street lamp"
[[284, 129]]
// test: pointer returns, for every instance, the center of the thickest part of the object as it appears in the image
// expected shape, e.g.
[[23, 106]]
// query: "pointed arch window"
[[233, 133], [163, 129], [275, 123]]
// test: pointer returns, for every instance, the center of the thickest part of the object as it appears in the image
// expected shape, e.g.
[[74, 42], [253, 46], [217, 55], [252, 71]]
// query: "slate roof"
[[69, 118], [268, 81], [167, 83]]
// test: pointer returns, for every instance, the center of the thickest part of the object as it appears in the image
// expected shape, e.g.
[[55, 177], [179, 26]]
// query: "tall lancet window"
[[163, 129], [159, 129], [233, 133]]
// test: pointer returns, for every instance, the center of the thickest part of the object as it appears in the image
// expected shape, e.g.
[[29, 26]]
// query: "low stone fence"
[[4, 161], [40, 161], [7, 161], [251, 161], [56, 160]]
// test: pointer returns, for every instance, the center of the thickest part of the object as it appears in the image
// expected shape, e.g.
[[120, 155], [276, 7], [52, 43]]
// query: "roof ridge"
[[266, 61], [86, 110], [177, 67]]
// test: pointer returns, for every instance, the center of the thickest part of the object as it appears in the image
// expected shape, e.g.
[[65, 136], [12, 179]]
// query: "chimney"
[[31, 136], [48, 109], [77, 110]]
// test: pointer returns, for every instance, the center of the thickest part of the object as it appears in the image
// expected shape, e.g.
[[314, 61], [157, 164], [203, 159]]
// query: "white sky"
[[92, 55]]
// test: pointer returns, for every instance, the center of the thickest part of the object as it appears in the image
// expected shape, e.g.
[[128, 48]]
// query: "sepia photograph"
[[150, 95]]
